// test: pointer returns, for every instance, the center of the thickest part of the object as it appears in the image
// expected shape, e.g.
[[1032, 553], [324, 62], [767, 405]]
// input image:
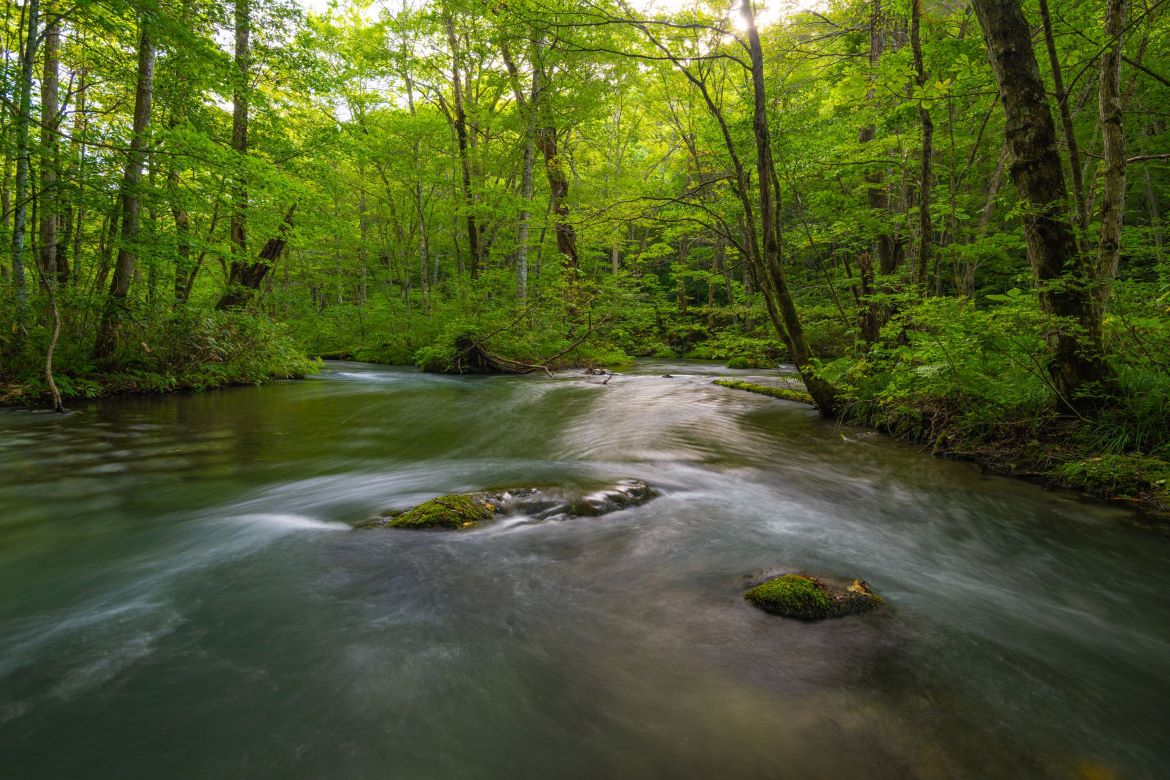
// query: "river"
[[182, 595]]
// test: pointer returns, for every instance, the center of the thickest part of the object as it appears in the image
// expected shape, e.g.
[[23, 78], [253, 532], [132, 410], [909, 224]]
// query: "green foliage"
[[1138, 419], [187, 350], [946, 370], [751, 351]]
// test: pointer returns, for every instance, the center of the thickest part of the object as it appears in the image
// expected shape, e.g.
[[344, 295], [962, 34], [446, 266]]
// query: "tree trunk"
[[115, 310], [1064, 277], [48, 206], [424, 247], [460, 120], [21, 186], [238, 224], [1112, 132], [248, 276], [183, 237], [558, 185], [529, 110], [925, 227], [80, 132], [780, 303], [876, 194], [1070, 136]]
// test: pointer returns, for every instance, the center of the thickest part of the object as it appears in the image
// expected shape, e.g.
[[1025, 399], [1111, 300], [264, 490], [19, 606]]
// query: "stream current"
[[182, 595]]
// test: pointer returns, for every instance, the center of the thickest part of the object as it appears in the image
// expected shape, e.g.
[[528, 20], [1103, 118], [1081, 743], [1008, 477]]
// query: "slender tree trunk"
[[1154, 216], [1112, 132], [363, 237], [108, 243], [115, 310], [876, 193], [80, 132], [183, 236], [529, 109], [1066, 122], [925, 226], [238, 225], [424, 248], [21, 186], [48, 207], [1065, 279], [460, 120], [525, 216], [780, 303]]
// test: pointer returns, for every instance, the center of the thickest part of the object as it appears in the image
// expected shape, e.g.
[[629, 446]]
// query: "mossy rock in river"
[[467, 510], [457, 511], [807, 598]]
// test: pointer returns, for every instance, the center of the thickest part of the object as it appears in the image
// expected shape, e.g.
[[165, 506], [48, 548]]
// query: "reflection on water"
[[180, 593]]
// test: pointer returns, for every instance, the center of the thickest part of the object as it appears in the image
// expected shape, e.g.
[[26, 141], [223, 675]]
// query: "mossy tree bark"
[[1065, 278]]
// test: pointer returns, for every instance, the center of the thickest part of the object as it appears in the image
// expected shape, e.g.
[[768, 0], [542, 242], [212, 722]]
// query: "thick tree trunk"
[[115, 310], [558, 185], [1065, 279], [1112, 132]]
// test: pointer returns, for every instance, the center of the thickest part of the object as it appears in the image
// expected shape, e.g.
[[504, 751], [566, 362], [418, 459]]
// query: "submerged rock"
[[467, 510], [807, 598], [627, 493]]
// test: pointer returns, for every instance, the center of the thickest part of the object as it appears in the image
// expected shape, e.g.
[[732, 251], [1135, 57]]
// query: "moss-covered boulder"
[[807, 598], [455, 511]]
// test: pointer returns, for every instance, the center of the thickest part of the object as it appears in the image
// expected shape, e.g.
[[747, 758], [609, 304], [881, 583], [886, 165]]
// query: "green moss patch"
[[783, 393], [1125, 476], [747, 362], [806, 598], [458, 511]]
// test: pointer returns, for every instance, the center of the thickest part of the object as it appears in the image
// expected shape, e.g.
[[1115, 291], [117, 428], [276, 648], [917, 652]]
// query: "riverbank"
[[32, 391], [1048, 450]]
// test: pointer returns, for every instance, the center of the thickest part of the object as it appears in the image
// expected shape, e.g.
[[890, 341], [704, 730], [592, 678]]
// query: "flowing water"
[[181, 593]]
